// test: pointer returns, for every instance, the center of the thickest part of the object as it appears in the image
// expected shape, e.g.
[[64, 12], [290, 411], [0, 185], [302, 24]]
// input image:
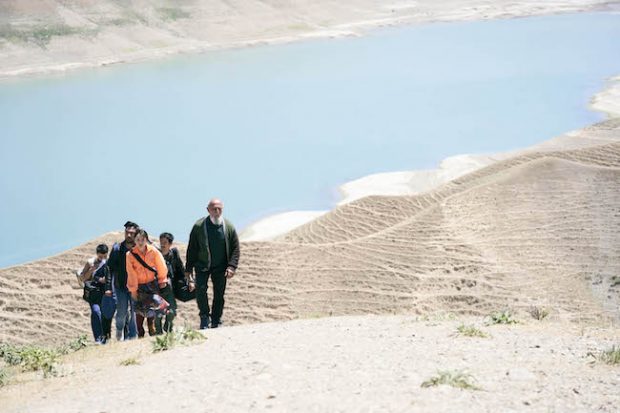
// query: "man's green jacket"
[[198, 254]]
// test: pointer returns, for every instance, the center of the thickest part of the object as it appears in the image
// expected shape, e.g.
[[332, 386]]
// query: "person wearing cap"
[[212, 251], [125, 312]]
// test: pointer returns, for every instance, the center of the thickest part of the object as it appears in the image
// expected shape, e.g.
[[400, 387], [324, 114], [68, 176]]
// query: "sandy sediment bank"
[[53, 36], [608, 100], [278, 224], [403, 183]]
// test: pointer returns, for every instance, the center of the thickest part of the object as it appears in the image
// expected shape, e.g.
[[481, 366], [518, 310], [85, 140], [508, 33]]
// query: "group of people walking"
[[141, 282]]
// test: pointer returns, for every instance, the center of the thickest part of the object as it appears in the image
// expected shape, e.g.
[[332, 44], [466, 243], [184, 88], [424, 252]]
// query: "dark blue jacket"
[[116, 263]]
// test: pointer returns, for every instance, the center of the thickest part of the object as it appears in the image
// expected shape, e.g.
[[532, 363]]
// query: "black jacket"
[[116, 263], [198, 254]]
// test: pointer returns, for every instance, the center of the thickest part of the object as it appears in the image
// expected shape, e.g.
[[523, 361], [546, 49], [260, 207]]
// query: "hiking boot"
[[151, 325], [216, 323], [204, 323]]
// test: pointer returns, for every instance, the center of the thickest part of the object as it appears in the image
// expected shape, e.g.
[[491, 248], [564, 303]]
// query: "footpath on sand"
[[369, 363]]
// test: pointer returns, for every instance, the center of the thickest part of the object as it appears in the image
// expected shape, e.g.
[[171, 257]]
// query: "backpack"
[[93, 291], [180, 286], [175, 255]]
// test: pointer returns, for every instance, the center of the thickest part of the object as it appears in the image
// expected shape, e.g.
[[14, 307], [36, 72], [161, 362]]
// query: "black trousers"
[[218, 278]]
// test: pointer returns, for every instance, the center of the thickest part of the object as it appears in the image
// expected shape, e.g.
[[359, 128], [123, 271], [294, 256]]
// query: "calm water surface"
[[278, 128]]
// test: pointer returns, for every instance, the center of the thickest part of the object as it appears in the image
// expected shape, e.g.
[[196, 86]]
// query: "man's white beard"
[[217, 221]]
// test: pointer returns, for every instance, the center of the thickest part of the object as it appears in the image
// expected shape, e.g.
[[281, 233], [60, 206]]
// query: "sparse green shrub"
[[36, 358], [10, 354], [438, 317], [131, 361], [31, 358], [4, 376], [169, 340], [41, 35], [173, 13], [502, 317], [470, 331], [164, 342], [189, 334], [611, 356], [615, 281], [40, 359], [539, 313], [79, 343], [456, 379]]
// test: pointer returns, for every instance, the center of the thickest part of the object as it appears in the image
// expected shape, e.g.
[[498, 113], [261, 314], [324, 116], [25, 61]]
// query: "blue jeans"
[[95, 321], [125, 315]]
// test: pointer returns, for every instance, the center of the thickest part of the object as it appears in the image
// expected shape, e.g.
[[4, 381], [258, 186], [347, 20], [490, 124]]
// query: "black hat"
[[130, 224]]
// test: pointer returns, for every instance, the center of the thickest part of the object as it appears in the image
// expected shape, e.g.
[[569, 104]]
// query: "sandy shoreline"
[[70, 36]]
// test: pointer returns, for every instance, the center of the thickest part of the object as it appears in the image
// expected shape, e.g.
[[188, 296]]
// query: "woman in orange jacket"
[[147, 273]]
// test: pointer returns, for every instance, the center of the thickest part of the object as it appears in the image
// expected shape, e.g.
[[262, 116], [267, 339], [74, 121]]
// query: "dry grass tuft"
[[184, 336], [611, 356], [501, 317], [458, 379], [470, 331], [131, 361], [538, 313]]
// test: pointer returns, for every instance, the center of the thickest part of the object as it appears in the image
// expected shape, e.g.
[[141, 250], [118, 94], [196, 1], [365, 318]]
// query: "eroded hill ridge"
[[541, 228]]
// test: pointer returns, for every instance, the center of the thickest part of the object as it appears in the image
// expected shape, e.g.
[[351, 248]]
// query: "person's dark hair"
[[168, 236], [145, 234], [102, 249], [130, 224]]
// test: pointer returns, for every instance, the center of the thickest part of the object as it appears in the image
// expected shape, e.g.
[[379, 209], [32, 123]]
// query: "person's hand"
[[108, 293], [101, 280], [191, 286], [230, 272]]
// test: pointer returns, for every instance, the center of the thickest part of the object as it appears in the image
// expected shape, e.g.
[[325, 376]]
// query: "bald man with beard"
[[213, 251]]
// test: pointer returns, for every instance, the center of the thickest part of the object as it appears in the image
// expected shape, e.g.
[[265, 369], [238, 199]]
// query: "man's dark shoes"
[[204, 323]]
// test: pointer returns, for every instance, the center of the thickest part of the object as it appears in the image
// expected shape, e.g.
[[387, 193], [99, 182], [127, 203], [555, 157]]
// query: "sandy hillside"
[[350, 364], [46, 36], [541, 228]]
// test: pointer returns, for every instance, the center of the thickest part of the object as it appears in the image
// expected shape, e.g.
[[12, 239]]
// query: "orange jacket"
[[137, 274]]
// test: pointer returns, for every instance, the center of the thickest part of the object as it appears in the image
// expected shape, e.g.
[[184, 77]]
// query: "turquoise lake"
[[278, 128]]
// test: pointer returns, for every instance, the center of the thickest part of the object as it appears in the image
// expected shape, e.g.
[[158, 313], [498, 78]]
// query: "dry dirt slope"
[[542, 228]]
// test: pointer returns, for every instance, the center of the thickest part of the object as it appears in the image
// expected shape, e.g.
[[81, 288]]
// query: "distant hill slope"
[[541, 228], [39, 36]]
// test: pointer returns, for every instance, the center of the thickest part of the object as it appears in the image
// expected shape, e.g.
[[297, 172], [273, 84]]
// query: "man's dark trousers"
[[218, 278]]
